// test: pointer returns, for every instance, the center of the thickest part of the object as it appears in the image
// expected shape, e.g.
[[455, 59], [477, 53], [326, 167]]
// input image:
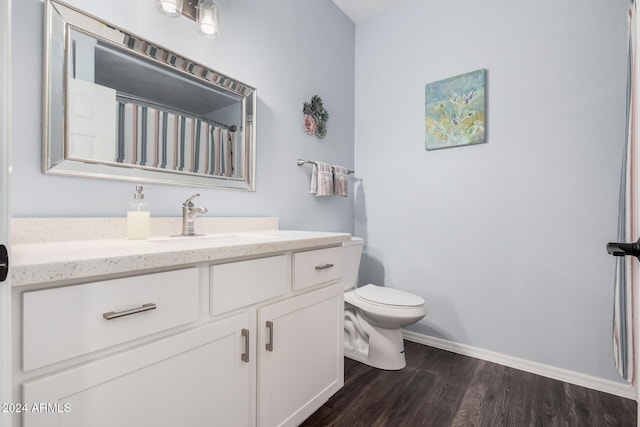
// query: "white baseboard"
[[611, 387]]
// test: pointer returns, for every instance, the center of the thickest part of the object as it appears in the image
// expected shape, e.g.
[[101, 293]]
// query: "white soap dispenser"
[[138, 217]]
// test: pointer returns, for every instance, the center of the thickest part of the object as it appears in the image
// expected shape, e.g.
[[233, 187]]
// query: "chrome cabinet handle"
[[323, 267], [245, 355], [270, 343], [115, 314]]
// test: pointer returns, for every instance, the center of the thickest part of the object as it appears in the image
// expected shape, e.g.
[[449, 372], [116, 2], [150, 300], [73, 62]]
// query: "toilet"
[[373, 316]]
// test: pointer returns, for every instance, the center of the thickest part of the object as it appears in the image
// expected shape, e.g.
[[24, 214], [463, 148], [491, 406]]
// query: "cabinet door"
[[300, 356], [195, 378]]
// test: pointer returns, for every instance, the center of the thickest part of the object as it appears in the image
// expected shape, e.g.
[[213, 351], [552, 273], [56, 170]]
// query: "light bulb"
[[171, 8]]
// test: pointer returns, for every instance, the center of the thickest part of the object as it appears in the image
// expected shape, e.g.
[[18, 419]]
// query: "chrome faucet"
[[189, 212]]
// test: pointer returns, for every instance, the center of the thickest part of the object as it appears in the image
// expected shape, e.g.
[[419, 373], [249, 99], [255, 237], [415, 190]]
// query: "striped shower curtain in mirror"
[[626, 267], [171, 140]]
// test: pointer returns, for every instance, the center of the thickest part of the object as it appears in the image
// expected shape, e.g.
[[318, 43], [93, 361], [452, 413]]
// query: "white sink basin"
[[213, 238]]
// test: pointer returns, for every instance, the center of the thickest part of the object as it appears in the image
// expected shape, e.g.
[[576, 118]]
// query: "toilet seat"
[[380, 295]]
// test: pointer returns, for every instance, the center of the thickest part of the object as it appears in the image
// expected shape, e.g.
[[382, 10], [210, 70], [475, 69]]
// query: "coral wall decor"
[[315, 117]]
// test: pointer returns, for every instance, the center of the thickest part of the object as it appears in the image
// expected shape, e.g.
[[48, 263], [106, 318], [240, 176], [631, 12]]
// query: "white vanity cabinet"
[[198, 376], [246, 341]]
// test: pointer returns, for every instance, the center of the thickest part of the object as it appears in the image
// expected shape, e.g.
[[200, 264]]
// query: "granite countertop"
[[42, 262]]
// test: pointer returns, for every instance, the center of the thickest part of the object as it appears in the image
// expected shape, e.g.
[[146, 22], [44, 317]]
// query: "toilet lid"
[[388, 296]]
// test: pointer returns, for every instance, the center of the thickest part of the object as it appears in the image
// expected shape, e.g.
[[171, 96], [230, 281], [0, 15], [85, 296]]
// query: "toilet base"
[[386, 349]]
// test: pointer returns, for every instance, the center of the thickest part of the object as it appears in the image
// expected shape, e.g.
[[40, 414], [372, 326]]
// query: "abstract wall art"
[[455, 111]]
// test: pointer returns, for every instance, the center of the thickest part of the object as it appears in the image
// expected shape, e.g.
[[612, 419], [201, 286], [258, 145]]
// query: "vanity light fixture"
[[204, 12], [207, 19]]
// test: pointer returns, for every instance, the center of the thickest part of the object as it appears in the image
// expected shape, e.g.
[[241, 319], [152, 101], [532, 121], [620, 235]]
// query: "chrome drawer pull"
[[245, 356], [270, 343], [323, 267], [115, 314]]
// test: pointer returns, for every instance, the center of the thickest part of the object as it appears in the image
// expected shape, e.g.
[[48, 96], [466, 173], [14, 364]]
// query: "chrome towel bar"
[[301, 162]]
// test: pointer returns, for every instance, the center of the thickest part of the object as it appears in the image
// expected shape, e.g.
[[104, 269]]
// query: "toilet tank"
[[352, 254]]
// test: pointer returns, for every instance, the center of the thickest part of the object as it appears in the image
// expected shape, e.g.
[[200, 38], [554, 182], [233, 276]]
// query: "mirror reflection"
[[137, 111]]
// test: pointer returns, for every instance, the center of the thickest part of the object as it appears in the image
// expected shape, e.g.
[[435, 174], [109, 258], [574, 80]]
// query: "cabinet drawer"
[[312, 268], [62, 323], [243, 283]]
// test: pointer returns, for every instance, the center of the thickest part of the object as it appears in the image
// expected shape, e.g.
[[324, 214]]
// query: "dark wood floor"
[[440, 389]]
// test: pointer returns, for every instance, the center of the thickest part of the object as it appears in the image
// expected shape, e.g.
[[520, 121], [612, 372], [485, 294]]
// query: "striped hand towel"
[[340, 181], [321, 180]]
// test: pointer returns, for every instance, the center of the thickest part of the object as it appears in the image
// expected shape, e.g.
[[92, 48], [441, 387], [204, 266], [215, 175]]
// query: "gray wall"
[[284, 48], [505, 240]]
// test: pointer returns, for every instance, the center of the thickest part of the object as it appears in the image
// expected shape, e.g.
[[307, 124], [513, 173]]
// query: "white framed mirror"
[[117, 106]]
